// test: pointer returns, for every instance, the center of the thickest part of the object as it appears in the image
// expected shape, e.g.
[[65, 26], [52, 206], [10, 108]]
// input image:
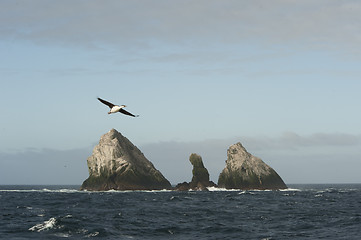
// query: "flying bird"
[[116, 108]]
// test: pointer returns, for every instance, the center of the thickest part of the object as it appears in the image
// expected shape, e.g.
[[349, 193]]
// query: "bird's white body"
[[116, 109]]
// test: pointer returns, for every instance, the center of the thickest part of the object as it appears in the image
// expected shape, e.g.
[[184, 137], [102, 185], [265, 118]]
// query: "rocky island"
[[117, 164], [245, 171], [200, 180]]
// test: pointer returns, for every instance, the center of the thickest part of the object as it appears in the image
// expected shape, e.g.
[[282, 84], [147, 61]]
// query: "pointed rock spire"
[[245, 171], [117, 164]]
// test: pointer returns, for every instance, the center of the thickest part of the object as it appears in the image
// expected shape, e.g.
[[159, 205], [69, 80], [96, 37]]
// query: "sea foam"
[[44, 226]]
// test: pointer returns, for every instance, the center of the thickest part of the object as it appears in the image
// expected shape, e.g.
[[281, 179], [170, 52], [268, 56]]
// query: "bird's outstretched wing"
[[127, 113], [106, 103]]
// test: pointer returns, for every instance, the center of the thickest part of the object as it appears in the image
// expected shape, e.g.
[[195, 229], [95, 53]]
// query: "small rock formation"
[[245, 171], [200, 180], [117, 164]]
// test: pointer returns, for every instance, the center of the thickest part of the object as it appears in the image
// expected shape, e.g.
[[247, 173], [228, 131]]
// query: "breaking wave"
[[49, 224], [77, 190]]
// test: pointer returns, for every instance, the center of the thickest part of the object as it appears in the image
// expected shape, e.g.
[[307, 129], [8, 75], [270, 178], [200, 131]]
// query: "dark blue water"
[[303, 212]]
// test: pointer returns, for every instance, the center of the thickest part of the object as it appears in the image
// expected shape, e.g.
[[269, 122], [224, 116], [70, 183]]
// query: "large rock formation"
[[245, 171], [200, 180], [117, 164]]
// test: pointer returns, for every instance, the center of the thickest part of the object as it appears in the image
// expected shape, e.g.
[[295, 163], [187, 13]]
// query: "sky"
[[280, 76]]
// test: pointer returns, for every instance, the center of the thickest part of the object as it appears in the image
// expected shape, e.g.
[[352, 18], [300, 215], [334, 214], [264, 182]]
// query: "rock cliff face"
[[245, 171], [200, 180], [117, 164]]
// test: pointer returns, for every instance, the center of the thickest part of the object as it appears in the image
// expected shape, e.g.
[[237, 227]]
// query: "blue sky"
[[281, 77]]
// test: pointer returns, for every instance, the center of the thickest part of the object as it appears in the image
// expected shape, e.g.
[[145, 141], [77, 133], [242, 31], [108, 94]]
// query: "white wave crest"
[[42, 190], [93, 234], [217, 189], [44, 226], [291, 190]]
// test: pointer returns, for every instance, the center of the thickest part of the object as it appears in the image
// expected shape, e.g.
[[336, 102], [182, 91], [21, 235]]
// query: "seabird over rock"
[[116, 108]]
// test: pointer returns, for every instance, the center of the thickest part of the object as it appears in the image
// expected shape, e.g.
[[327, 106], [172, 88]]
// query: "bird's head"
[[122, 106]]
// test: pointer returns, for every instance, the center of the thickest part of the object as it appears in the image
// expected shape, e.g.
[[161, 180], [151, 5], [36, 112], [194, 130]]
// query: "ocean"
[[300, 212]]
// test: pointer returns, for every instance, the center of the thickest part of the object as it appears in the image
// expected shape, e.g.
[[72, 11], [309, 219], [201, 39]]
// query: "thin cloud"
[[294, 141], [45, 166], [141, 24]]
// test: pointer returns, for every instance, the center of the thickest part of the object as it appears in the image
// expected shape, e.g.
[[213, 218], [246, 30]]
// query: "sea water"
[[301, 212]]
